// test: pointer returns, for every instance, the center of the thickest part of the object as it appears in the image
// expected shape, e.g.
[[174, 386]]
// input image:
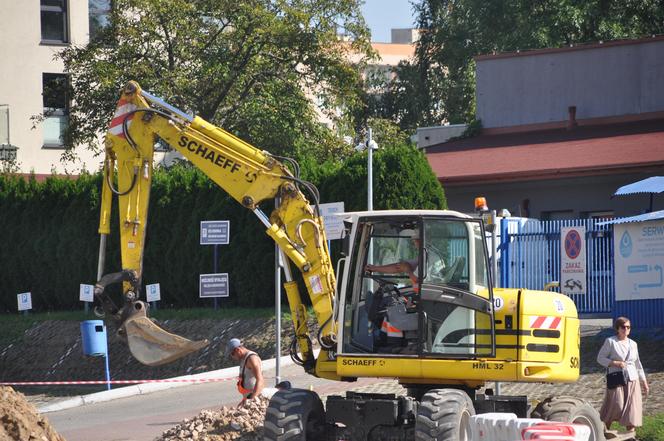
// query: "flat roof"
[[570, 48]]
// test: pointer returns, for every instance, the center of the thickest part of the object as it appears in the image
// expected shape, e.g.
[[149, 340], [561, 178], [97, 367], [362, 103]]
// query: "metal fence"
[[530, 258]]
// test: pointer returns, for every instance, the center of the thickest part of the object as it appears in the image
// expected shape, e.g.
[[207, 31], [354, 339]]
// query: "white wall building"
[[31, 34]]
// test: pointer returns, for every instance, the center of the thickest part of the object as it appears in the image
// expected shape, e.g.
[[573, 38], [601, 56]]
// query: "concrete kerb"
[[230, 373], [145, 388]]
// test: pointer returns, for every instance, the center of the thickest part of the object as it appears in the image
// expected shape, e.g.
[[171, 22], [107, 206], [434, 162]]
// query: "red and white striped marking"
[[66, 383], [544, 322], [124, 107]]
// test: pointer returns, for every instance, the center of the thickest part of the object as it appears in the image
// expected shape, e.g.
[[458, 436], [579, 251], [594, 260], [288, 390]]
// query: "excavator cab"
[[418, 286]]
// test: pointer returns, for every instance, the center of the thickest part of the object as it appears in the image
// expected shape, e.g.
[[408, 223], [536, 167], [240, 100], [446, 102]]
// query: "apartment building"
[[31, 35]]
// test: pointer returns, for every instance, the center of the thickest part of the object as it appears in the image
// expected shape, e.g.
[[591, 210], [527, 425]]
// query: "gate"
[[530, 258]]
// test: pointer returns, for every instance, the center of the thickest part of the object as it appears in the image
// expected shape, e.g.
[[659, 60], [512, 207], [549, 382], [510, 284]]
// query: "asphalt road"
[[144, 417]]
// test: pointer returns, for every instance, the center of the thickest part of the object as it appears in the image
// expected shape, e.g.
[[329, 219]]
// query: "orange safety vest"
[[240, 379], [390, 330], [416, 286]]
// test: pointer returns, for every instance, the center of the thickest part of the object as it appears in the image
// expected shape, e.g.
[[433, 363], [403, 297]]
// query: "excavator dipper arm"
[[250, 176]]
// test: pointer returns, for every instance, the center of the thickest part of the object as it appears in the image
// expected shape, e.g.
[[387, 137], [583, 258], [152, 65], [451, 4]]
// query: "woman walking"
[[622, 401]]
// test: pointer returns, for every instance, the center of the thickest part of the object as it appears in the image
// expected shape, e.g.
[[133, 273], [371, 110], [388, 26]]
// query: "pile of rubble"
[[19, 419], [243, 423]]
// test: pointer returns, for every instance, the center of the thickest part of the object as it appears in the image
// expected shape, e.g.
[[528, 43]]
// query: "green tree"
[[244, 65], [401, 172], [440, 85]]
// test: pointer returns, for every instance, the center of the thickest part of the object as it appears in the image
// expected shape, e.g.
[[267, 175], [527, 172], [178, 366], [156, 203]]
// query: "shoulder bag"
[[615, 379]]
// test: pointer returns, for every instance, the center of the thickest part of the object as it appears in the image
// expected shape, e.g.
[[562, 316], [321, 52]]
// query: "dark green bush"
[[50, 241]]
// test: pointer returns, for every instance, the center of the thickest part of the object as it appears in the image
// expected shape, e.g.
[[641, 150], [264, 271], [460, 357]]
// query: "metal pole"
[[216, 261], [494, 264], [100, 262], [108, 372], [277, 307], [369, 172], [494, 249], [277, 312]]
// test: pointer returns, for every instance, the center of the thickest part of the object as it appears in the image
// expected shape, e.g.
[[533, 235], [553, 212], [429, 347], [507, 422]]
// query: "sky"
[[383, 15]]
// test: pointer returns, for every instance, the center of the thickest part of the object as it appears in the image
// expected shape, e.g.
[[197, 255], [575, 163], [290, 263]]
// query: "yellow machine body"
[[540, 345]]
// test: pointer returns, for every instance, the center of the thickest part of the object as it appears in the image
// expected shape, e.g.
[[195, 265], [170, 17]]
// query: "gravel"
[[244, 423]]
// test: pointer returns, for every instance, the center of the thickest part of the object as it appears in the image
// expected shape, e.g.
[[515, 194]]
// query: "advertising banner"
[[573, 260], [639, 258]]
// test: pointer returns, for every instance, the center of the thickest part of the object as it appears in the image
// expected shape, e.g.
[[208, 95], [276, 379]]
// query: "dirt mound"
[[19, 419], [230, 423]]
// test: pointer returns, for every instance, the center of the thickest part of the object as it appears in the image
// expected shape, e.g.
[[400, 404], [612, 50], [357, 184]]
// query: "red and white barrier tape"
[[168, 380]]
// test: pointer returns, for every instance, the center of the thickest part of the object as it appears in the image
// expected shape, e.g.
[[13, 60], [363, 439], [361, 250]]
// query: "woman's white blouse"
[[616, 350]]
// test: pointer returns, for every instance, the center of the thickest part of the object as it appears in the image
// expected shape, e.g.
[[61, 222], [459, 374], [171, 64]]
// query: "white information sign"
[[573, 260], [639, 260], [86, 293], [24, 301], [334, 224], [153, 292]]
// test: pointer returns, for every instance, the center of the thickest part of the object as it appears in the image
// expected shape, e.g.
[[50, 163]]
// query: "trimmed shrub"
[[51, 243]]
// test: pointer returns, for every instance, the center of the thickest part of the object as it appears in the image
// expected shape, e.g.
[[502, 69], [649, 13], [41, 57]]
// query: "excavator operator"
[[391, 311], [405, 266]]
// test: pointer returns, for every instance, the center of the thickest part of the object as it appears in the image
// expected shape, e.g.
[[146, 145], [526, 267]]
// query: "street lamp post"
[[370, 145]]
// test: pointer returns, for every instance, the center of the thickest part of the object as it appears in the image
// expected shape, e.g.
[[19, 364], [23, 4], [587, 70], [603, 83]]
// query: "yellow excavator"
[[411, 298]]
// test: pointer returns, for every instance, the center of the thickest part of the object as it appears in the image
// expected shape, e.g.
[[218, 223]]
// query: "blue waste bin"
[[93, 333]]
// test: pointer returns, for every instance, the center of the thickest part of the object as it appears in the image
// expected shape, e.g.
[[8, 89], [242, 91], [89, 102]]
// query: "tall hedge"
[[50, 241]]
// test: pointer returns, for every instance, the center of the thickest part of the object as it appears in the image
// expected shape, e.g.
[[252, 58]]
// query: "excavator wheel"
[[444, 415], [294, 415], [571, 410]]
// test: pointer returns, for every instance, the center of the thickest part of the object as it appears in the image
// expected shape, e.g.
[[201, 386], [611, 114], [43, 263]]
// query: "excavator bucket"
[[153, 346]]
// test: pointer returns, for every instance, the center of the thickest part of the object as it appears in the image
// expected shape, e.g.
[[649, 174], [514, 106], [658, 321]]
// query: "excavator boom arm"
[[247, 174]]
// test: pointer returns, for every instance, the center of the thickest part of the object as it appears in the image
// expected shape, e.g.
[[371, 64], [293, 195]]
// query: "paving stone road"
[[591, 383]]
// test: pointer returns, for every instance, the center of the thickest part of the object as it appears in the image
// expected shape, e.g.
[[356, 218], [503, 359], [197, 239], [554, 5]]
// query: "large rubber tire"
[[571, 410], [294, 415], [444, 415]]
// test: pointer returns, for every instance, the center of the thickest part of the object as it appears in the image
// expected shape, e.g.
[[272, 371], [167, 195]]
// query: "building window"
[[4, 124], [558, 215], [99, 16], [56, 108], [607, 214], [54, 21]]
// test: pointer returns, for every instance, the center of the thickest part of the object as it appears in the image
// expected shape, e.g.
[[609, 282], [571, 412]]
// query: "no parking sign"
[[573, 260]]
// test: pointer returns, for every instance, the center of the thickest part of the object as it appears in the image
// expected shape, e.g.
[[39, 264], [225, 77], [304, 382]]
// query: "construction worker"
[[396, 321], [250, 382], [405, 266]]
